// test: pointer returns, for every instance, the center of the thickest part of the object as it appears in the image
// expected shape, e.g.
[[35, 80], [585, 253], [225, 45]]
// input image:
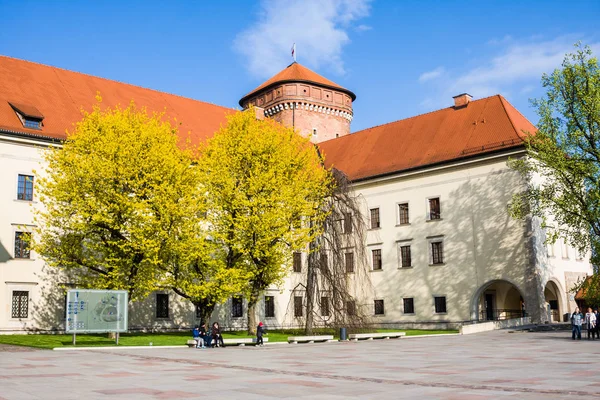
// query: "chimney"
[[462, 100], [260, 112]]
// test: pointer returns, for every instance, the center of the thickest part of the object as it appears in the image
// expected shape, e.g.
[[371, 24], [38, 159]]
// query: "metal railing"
[[499, 314]]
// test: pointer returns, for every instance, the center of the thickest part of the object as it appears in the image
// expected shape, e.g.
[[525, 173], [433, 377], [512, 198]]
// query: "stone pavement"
[[493, 365]]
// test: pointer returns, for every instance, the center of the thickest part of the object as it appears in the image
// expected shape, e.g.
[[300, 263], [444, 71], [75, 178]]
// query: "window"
[[440, 305], [347, 223], [409, 305], [298, 312], [269, 307], [297, 261], [434, 208], [349, 258], [377, 265], [25, 187], [550, 247], [379, 309], [22, 240], [565, 250], [375, 223], [162, 305], [351, 307], [20, 304], [437, 252], [405, 257], [325, 307], [237, 307], [323, 263], [314, 132], [403, 214], [31, 123]]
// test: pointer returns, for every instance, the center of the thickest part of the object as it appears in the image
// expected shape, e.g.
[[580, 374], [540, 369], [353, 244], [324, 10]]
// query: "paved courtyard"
[[484, 366]]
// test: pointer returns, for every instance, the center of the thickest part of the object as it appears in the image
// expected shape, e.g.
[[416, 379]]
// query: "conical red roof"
[[298, 73]]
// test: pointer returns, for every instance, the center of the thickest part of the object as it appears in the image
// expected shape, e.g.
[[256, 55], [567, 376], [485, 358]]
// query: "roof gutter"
[[338, 88], [26, 135]]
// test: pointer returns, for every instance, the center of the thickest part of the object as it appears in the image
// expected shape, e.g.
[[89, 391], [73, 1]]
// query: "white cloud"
[[363, 28], [427, 76], [318, 27]]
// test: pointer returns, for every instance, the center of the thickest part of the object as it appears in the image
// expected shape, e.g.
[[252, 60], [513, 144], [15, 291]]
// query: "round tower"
[[300, 98]]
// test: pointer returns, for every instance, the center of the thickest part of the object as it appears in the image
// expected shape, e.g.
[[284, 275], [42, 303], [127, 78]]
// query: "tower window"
[[314, 132]]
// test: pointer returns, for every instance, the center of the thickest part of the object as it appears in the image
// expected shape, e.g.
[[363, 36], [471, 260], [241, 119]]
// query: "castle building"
[[433, 189]]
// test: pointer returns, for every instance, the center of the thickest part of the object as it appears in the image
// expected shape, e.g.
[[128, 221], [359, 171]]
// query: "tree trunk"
[[206, 311], [311, 289], [252, 314]]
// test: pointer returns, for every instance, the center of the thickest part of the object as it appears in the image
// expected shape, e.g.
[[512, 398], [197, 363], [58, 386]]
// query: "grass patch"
[[46, 341]]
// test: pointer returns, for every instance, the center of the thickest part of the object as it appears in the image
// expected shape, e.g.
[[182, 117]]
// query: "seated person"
[[197, 337], [206, 338], [216, 335]]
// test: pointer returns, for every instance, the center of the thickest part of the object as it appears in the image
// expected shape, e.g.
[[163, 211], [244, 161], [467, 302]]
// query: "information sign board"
[[96, 311]]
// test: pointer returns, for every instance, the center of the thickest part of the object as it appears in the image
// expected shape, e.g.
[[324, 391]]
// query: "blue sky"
[[401, 58]]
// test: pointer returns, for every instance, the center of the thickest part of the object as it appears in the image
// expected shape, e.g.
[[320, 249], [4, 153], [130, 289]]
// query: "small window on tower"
[[314, 132]]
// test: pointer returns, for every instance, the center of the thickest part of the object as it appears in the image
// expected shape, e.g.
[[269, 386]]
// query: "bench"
[[370, 336], [239, 342], [309, 339]]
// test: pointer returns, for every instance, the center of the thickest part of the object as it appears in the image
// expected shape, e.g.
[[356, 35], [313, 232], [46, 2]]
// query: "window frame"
[[298, 306], [347, 223], [375, 219], [399, 213], [378, 301], [269, 306], [435, 304], [400, 244], [350, 307], [237, 307], [24, 252], [349, 255], [412, 301], [297, 262], [380, 257], [22, 189], [430, 214], [325, 311], [164, 296], [430, 243], [19, 307]]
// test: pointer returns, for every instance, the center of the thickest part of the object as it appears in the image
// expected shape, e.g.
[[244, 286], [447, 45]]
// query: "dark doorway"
[[489, 307]]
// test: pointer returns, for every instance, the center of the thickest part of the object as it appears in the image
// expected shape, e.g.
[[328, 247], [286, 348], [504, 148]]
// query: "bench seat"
[[239, 342], [371, 336], [309, 339]]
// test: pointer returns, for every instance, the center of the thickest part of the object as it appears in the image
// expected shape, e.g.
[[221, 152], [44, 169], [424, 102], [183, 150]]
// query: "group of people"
[[205, 338], [214, 338], [590, 321]]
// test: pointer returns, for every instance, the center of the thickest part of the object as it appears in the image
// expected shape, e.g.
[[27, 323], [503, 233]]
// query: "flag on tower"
[[294, 51]]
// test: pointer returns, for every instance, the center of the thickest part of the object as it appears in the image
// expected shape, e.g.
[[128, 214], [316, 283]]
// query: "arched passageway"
[[498, 300], [553, 298]]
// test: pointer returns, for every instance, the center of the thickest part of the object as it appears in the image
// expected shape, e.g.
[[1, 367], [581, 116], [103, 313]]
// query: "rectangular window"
[[323, 263], [565, 249], [550, 247], [405, 256], [325, 306], [409, 305], [434, 208], [351, 307], [297, 261], [349, 258], [298, 307], [437, 253], [347, 223], [375, 223], [269, 306], [237, 307], [379, 309], [162, 305], [377, 264], [25, 187], [22, 241], [403, 214], [20, 304], [440, 305]]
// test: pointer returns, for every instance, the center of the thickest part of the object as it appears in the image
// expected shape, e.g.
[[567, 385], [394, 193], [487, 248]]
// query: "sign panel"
[[96, 311]]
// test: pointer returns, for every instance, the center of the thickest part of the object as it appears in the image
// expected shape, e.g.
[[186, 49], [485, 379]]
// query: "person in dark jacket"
[[260, 331], [597, 329], [216, 335], [206, 338]]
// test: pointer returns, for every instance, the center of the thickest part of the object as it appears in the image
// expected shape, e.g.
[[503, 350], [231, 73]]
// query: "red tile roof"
[[59, 95], [483, 126], [298, 73]]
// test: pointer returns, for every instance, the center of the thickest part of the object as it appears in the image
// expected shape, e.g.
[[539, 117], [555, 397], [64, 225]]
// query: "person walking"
[[597, 329], [260, 331], [590, 323], [576, 324], [216, 335]]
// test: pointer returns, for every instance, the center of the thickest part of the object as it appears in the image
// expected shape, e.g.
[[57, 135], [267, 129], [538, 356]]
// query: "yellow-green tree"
[[265, 186], [124, 209]]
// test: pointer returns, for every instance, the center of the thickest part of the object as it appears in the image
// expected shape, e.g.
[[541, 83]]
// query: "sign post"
[[96, 311]]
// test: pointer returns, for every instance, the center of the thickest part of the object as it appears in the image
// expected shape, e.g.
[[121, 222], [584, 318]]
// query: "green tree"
[[563, 156], [123, 209], [263, 184]]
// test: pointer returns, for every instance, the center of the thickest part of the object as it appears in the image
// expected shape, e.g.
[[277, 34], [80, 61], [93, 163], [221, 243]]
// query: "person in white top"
[[590, 322]]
